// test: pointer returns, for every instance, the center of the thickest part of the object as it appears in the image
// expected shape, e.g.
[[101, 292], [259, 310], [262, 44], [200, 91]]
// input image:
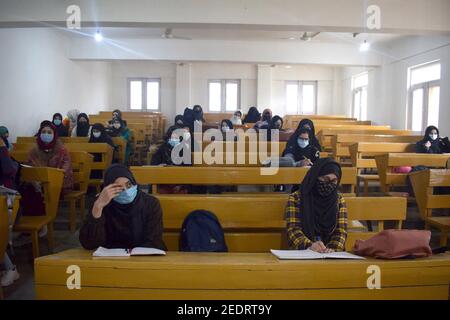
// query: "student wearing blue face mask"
[[163, 154], [300, 149], [122, 215], [62, 130]]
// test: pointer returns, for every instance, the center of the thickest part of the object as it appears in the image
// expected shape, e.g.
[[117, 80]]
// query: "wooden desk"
[[259, 276]]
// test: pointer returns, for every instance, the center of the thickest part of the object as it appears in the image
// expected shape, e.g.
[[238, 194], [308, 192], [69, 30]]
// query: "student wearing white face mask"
[[432, 142], [300, 150], [226, 127], [236, 118]]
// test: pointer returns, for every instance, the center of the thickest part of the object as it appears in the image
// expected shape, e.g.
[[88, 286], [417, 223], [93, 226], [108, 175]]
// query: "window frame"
[[144, 82], [425, 86], [223, 94], [300, 84]]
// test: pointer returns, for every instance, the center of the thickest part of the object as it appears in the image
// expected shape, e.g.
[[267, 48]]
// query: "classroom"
[[224, 150]]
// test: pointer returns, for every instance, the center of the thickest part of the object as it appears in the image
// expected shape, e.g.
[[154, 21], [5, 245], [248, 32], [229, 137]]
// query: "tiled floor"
[[24, 287]]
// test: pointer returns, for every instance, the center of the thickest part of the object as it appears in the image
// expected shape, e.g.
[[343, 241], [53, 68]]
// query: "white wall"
[[37, 79]]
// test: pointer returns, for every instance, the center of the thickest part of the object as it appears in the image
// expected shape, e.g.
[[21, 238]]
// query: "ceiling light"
[[288, 67], [365, 46], [98, 36], [291, 38]]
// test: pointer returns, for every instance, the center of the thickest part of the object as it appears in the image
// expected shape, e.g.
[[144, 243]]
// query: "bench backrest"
[[363, 153], [81, 166], [258, 224], [51, 180], [423, 183], [386, 162], [157, 175]]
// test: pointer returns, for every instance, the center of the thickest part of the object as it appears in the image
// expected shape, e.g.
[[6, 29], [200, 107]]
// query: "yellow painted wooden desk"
[[182, 275]]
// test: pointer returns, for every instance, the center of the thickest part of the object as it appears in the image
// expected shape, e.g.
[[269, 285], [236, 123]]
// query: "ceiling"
[[241, 35]]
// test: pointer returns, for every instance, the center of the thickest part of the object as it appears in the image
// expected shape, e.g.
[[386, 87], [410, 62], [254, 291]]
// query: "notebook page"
[[140, 251], [104, 252], [296, 254], [342, 255]]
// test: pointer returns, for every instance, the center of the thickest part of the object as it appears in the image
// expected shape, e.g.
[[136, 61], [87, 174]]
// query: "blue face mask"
[[302, 143], [46, 137], [126, 196], [174, 142], [57, 122]]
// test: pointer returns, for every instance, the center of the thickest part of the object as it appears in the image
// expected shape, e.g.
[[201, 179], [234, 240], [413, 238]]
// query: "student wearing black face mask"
[[62, 130], [300, 150], [432, 142], [316, 214], [82, 129]]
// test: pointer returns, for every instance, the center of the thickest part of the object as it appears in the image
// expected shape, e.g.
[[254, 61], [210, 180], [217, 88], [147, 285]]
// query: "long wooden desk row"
[[158, 175]]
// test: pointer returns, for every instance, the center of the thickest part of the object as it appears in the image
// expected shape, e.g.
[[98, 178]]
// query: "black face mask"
[[325, 188]]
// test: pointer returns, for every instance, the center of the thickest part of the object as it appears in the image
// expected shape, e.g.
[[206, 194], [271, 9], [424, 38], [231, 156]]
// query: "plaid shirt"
[[296, 237]]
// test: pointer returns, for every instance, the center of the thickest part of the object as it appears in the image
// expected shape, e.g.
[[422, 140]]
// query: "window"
[[144, 94], [423, 96], [359, 95], [224, 95], [301, 97]]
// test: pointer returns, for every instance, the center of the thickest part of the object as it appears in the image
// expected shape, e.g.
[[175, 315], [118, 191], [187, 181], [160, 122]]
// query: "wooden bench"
[[363, 157], [340, 143], [158, 175], [233, 276], [81, 166], [256, 224], [325, 135], [387, 162], [424, 183], [51, 180]]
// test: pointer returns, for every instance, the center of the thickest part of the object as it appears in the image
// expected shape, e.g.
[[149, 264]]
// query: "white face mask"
[[96, 134], [116, 125], [225, 129], [433, 136]]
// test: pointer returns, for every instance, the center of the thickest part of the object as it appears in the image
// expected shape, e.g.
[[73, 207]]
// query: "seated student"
[[82, 129], [50, 152], [71, 119], [4, 135], [179, 121], [265, 120], [300, 150], [276, 123], [99, 136], [163, 154], [252, 116], [308, 124], [432, 142], [123, 216], [8, 170], [226, 127], [236, 118], [63, 131], [116, 114], [119, 129], [198, 113], [316, 214]]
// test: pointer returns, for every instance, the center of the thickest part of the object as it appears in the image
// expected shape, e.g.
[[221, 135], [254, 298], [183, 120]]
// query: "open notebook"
[[311, 255], [138, 251]]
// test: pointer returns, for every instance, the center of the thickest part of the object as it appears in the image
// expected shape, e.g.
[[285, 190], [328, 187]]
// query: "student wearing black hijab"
[[62, 130], [164, 152], [82, 129], [300, 149], [116, 115], [179, 121], [432, 142], [122, 215], [99, 135], [308, 124], [198, 113], [316, 214], [252, 116]]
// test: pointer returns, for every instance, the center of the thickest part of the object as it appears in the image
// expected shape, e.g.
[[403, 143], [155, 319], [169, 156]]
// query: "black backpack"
[[202, 232]]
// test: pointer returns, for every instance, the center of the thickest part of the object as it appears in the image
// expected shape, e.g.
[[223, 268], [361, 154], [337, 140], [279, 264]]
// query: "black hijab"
[[198, 112], [312, 137], [228, 123], [319, 213], [62, 130], [179, 121], [252, 116], [113, 132], [119, 114], [82, 127], [104, 138]]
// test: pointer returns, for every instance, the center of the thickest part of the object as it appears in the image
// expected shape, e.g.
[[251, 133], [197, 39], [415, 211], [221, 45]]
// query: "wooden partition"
[[158, 175], [386, 163], [340, 143]]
